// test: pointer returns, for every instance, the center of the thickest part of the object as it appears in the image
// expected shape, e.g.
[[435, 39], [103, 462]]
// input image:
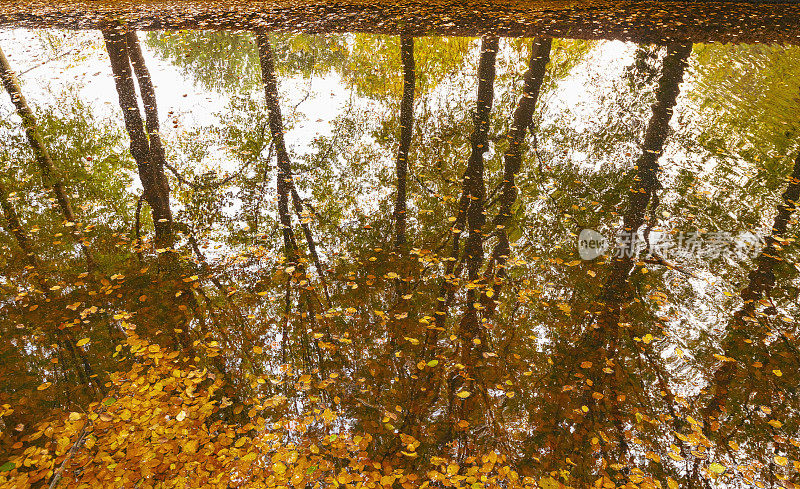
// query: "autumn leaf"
[[716, 468], [328, 416], [190, 446]]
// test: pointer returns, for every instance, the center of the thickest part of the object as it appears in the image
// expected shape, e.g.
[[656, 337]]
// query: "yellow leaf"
[[249, 457], [777, 372], [181, 416], [83, 341], [674, 456], [328, 416], [550, 483], [190, 446], [782, 461], [258, 350], [647, 338], [464, 394], [716, 468], [44, 386]]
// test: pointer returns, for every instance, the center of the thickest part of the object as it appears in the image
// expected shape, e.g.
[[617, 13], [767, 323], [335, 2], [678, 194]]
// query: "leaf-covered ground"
[[640, 21]]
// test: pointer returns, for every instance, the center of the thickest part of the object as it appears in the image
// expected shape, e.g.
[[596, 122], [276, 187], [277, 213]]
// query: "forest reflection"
[[354, 259]]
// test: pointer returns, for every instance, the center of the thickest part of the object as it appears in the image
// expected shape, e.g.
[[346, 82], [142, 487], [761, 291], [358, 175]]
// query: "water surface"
[[327, 243]]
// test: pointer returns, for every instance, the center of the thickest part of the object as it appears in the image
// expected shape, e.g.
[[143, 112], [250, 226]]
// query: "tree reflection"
[[397, 298]]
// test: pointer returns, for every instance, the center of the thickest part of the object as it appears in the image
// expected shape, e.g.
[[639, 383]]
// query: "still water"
[[383, 245]]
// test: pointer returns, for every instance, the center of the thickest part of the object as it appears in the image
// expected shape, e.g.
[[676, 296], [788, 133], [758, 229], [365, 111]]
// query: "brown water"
[[374, 249]]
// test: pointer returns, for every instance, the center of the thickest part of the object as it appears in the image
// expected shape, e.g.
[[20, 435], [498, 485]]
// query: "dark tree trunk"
[[287, 190], [760, 284], [643, 193], [512, 160], [50, 175], [147, 154], [285, 177], [148, 95], [470, 212], [469, 329], [522, 120], [601, 343], [286, 186], [406, 132], [473, 184], [124, 52]]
